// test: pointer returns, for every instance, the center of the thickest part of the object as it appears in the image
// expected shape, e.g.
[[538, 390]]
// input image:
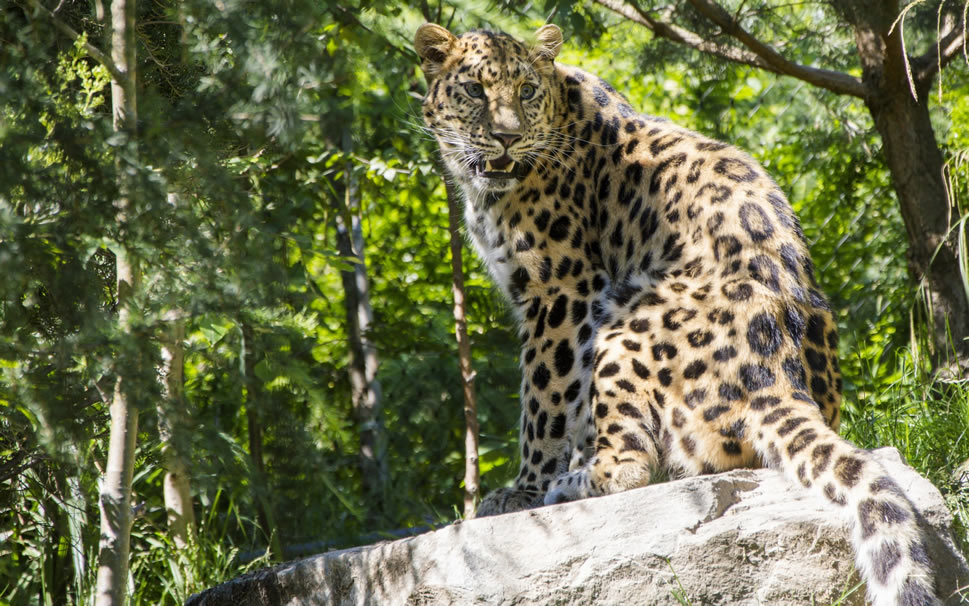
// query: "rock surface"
[[743, 537]]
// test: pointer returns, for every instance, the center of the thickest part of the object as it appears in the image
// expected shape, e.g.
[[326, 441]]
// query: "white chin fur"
[[485, 184]]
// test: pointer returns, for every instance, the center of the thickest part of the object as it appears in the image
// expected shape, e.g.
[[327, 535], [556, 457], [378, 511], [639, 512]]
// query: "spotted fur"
[[669, 313]]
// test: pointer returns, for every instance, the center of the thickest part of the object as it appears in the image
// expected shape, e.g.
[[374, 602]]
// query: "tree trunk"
[[115, 498], [255, 400], [472, 483], [115, 501], [472, 478], [173, 431], [916, 166], [365, 388], [901, 116]]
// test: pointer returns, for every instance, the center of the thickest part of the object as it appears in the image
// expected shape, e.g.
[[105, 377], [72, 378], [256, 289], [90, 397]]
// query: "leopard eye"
[[474, 89], [527, 91]]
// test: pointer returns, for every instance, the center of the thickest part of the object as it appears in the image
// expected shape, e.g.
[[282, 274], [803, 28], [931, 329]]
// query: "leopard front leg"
[[627, 401], [625, 448], [556, 424]]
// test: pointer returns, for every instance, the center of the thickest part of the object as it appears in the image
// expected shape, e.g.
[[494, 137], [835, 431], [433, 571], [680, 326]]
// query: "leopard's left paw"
[[570, 486]]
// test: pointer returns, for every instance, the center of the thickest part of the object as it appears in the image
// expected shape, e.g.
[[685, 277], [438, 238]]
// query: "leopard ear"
[[433, 43], [549, 43]]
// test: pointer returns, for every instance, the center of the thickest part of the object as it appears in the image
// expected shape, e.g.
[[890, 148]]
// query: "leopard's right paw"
[[507, 500]]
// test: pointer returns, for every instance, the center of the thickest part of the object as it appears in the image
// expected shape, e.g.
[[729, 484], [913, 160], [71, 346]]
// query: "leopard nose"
[[506, 139]]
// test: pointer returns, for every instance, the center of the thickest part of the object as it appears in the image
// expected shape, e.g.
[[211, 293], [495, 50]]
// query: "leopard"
[[669, 312]]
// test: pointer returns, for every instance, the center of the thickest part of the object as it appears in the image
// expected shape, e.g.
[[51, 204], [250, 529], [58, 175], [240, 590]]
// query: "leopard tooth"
[[489, 167]]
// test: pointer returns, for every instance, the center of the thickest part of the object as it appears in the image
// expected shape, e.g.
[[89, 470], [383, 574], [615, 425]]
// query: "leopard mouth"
[[502, 167]]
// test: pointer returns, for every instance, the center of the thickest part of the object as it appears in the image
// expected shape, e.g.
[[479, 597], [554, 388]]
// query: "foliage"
[[253, 119], [164, 573]]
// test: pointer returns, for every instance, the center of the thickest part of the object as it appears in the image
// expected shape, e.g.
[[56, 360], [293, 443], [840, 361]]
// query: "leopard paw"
[[570, 486], [507, 500]]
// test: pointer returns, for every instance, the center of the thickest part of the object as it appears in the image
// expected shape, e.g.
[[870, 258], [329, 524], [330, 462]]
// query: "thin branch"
[[905, 60], [163, 67], [757, 54], [450, 20], [94, 52], [952, 40], [352, 19], [12, 467], [682, 36], [834, 81], [105, 398]]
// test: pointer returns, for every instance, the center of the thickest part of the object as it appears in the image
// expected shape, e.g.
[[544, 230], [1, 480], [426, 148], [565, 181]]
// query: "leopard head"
[[491, 103]]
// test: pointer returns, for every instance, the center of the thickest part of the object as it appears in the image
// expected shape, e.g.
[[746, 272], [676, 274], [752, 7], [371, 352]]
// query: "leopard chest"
[[534, 245]]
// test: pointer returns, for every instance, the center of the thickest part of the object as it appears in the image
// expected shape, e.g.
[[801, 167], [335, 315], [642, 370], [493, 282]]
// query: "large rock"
[[744, 537]]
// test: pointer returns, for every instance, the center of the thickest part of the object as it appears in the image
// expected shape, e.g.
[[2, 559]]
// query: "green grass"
[[164, 574], [927, 420], [679, 594]]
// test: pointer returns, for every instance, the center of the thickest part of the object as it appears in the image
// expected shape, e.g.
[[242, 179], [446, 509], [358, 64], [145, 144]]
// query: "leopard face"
[[492, 108]]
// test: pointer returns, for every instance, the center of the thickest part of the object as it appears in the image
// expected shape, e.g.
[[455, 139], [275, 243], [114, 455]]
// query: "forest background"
[[253, 264]]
